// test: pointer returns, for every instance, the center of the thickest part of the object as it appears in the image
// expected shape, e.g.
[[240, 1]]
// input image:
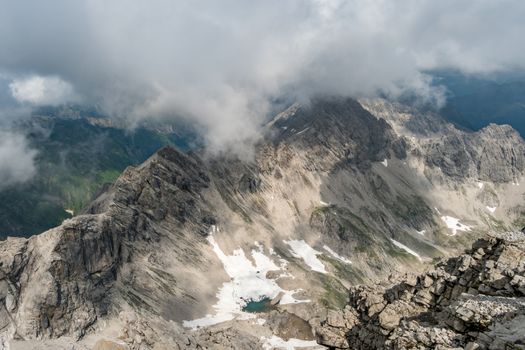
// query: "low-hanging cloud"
[[16, 159], [219, 63], [40, 90]]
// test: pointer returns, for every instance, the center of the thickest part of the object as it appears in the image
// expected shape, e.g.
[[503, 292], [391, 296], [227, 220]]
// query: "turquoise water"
[[262, 305]]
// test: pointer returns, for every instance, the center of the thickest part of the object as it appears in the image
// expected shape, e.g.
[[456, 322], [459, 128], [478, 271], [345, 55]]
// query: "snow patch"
[[491, 209], [248, 282], [291, 344], [289, 112], [422, 232], [300, 132], [324, 204], [337, 256], [70, 211], [301, 249], [385, 162], [480, 184], [454, 225], [282, 264], [289, 299], [405, 248]]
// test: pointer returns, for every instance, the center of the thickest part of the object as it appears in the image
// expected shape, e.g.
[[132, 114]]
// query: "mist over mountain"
[[219, 65]]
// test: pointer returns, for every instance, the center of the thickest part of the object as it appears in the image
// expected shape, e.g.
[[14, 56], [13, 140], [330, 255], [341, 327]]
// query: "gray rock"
[[464, 320]]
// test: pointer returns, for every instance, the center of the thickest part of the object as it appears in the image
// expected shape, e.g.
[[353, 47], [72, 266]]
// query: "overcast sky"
[[219, 62]]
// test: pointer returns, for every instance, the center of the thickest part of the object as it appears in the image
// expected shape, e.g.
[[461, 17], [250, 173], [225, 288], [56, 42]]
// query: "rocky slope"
[[176, 249], [494, 153], [58, 283], [478, 174], [474, 301]]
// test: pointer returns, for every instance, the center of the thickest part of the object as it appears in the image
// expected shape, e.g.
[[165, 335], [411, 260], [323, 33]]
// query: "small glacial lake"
[[263, 305]]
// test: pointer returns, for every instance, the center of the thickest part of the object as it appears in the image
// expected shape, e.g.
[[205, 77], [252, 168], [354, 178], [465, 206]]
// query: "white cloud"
[[16, 159], [220, 63], [41, 90]]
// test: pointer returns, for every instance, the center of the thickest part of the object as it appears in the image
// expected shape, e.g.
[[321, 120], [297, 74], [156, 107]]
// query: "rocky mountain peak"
[[78, 263], [339, 126]]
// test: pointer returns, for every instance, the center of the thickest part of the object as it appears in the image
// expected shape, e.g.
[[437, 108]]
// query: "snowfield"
[[301, 249], [248, 282], [291, 344]]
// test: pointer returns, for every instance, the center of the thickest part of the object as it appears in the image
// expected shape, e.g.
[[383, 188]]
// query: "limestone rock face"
[[495, 153], [338, 127], [58, 283], [473, 301]]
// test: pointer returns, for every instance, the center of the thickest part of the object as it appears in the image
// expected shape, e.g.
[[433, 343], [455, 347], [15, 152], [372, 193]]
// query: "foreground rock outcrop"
[[474, 301]]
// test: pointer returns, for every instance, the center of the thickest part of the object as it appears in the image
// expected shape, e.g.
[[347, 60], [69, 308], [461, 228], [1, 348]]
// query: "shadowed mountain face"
[[341, 126], [340, 192]]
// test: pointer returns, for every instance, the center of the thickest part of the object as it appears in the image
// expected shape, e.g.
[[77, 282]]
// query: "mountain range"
[[190, 250]]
